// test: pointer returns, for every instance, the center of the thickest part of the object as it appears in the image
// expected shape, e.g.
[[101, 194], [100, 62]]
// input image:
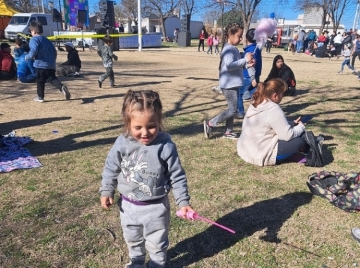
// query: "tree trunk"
[[162, 23]]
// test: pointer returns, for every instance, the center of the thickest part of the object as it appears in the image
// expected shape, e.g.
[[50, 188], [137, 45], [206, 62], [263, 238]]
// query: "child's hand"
[[106, 202], [184, 210], [115, 57], [254, 83]]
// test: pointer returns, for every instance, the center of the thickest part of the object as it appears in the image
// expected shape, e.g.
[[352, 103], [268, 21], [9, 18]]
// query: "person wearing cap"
[[8, 65], [26, 71], [73, 64], [44, 53]]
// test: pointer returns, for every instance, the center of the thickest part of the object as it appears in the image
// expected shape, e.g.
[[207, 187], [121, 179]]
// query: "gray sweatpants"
[[109, 73], [146, 228], [231, 96]]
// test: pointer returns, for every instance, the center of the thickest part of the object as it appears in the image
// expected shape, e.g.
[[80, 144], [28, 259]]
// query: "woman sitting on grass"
[[281, 70], [267, 138]]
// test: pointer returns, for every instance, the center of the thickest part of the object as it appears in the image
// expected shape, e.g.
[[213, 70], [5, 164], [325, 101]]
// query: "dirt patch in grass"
[[51, 217]]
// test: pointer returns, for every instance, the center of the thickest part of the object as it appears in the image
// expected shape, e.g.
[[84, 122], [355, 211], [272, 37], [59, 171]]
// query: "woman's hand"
[[297, 121]]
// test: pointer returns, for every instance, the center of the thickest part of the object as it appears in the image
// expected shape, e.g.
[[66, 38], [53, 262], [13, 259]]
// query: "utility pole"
[[357, 16]]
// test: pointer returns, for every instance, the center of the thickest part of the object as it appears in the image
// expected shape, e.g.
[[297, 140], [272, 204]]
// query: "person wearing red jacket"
[[201, 40], [8, 65], [210, 43]]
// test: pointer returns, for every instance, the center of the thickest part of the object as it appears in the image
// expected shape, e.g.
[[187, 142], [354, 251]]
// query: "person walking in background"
[[144, 165], [230, 79], [268, 45], [346, 53], [201, 40], [300, 41], [107, 56], [337, 43], [210, 42], [216, 41], [44, 53]]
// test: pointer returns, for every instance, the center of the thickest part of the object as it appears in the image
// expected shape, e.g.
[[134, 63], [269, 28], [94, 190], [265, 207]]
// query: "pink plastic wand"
[[194, 216]]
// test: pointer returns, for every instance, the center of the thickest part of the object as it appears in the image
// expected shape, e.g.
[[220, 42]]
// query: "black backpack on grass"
[[314, 157], [341, 190]]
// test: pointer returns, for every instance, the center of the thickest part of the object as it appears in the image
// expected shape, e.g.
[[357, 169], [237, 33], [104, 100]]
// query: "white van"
[[19, 24]]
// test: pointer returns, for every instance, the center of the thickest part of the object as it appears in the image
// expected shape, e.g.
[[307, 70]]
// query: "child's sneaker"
[[207, 129], [340, 72], [38, 99], [230, 135], [66, 92], [99, 83], [355, 232]]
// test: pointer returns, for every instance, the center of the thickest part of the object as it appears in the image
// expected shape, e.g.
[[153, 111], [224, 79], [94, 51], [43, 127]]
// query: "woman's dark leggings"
[[201, 43], [289, 148]]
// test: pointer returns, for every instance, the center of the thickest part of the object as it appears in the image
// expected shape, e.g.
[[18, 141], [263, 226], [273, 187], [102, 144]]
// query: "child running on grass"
[[231, 78], [144, 165], [107, 56], [44, 53], [346, 53]]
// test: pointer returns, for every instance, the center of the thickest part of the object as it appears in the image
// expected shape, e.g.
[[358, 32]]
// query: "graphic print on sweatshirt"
[[132, 168]]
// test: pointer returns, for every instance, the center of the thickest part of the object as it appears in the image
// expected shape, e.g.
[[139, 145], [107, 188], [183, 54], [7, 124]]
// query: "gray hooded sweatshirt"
[[145, 172], [262, 128]]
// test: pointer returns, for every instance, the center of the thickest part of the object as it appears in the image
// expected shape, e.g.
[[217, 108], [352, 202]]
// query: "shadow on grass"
[[203, 78], [268, 214], [19, 124], [68, 143]]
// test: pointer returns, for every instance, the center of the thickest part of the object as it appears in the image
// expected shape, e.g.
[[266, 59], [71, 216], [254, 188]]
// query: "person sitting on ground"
[[332, 51], [267, 138], [73, 65], [320, 52], [281, 70], [26, 71], [8, 65], [18, 49]]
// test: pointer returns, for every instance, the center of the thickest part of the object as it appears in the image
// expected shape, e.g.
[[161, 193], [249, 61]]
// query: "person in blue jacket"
[[249, 85], [26, 71]]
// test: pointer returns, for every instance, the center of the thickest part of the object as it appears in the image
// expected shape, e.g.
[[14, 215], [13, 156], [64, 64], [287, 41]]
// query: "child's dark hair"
[[18, 41], [265, 90], [250, 34], [36, 27], [232, 29], [107, 39], [142, 101]]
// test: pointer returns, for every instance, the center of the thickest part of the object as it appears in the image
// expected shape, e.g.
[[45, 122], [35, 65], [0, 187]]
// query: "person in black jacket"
[[73, 65], [281, 70]]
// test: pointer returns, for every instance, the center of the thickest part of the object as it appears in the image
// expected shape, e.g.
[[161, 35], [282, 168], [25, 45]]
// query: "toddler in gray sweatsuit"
[[107, 57], [144, 165]]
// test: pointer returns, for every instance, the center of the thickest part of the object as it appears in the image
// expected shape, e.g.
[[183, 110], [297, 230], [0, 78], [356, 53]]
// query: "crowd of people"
[[35, 62], [267, 136]]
